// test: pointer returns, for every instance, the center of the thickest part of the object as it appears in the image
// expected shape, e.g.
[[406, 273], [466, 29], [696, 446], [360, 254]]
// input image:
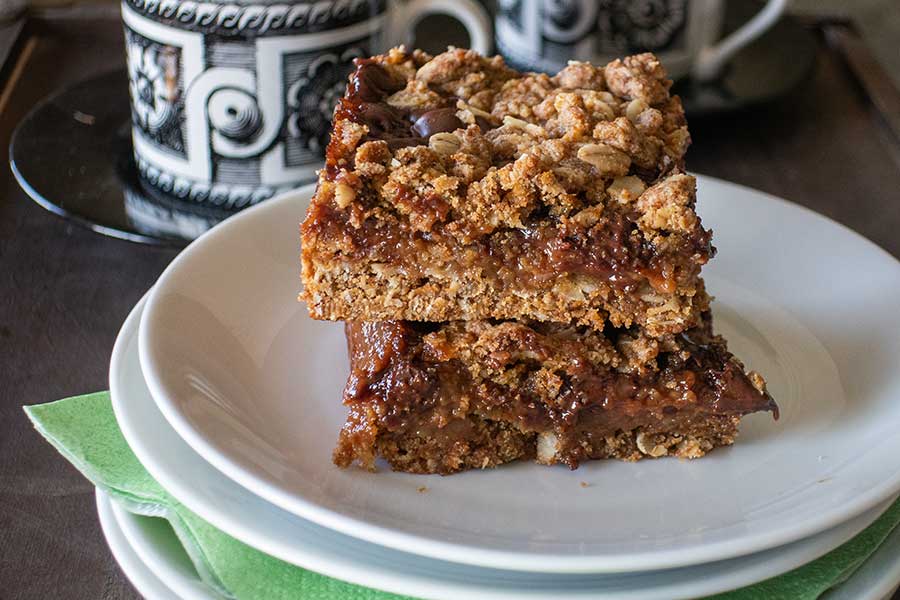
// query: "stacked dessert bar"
[[517, 259]]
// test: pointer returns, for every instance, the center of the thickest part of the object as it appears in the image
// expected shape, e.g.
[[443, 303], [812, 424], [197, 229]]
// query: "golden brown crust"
[[496, 443], [384, 292], [640, 77]]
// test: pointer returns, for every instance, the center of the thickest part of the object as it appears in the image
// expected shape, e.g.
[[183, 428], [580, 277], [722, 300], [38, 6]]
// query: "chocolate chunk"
[[436, 121], [405, 142], [372, 83], [383, 121], [484, 124]]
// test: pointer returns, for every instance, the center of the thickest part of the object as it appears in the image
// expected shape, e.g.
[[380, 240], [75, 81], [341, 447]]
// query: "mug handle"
[[712, 59], [468, 12]]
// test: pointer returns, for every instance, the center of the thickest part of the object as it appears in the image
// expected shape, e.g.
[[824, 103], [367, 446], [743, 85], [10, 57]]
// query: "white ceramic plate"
[[270, 529], [876, 580], [156, 544], [141, 577], [254, 385]]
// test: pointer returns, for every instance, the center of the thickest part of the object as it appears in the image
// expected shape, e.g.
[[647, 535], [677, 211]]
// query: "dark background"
[[64, 290]]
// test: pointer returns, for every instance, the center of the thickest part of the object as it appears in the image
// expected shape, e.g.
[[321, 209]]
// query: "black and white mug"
[[232, 99], [543, 35]]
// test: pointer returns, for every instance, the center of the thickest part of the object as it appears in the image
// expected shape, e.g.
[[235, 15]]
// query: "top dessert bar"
[[458, 188]]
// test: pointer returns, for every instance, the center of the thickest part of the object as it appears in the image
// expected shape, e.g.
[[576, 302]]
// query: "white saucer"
[[128, 538], [147, 583], [270, 529], [158, 547], [253, 385]]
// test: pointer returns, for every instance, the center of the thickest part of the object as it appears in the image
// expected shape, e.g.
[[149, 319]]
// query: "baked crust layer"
[[456, 188], [440, 398]]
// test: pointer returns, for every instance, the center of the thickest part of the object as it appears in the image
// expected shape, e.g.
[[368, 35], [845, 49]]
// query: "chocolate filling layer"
[[610, 251]]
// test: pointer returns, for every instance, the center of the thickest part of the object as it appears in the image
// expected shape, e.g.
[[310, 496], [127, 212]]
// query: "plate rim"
[[153, 558], [459, 552], [144, 580]]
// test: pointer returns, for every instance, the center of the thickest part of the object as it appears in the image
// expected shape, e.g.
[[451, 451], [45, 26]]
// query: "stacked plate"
[[230, 397]]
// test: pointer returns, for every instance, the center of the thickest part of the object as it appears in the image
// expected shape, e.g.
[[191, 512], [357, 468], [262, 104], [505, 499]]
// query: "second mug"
[[542, 35]]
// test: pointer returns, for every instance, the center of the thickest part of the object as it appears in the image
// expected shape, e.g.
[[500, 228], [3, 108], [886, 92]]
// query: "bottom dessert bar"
[[442, 398]]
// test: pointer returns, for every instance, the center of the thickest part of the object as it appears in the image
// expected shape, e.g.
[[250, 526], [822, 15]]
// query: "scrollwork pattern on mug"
[[642, 24], [152, 85], [312, 98]]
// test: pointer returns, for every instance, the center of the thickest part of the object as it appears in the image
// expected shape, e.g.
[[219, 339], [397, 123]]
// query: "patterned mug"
[[232, 99], [542, 35]]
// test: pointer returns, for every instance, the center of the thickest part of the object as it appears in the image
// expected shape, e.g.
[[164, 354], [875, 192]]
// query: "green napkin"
[[84, 430]]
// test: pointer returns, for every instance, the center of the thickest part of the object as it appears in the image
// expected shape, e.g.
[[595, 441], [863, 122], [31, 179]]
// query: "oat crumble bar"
[[441, 398], [457, 188]]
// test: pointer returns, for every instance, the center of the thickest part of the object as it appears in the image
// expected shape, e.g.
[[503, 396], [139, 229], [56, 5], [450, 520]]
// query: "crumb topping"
[[463, 145]]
